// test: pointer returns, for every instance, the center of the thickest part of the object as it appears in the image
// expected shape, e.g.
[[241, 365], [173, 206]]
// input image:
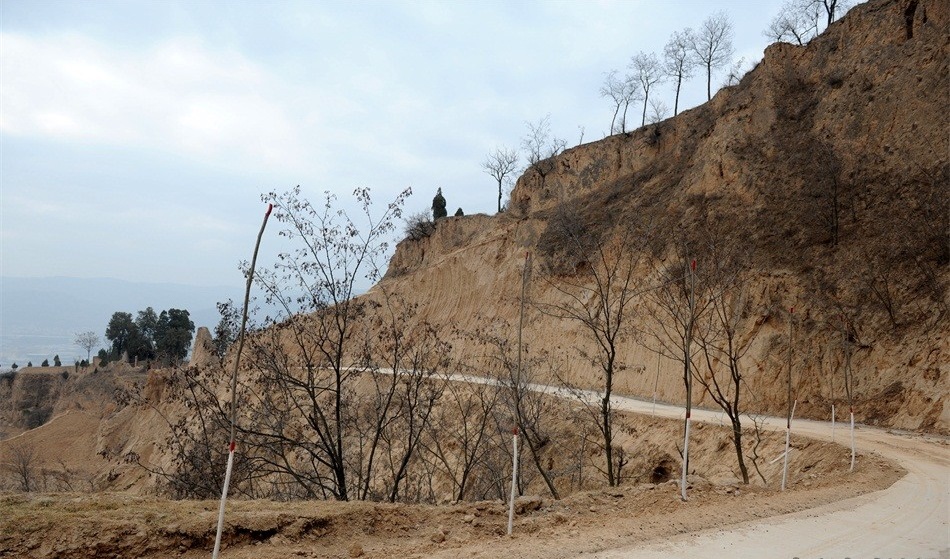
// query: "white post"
[[852, 440], [689, 379], [685, 459], [514, 480], [224, 499], [788, 438], [234, 386]]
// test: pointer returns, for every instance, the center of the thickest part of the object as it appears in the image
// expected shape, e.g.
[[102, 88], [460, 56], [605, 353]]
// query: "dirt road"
[[907, 520]]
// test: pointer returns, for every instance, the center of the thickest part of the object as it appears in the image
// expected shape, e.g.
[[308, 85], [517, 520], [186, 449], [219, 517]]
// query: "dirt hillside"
[[828, 163]]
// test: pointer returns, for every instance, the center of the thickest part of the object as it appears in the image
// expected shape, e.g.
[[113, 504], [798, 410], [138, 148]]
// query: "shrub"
[[419, 226]]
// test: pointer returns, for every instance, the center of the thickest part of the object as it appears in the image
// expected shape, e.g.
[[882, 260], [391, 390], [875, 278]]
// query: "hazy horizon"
[[40, 316]]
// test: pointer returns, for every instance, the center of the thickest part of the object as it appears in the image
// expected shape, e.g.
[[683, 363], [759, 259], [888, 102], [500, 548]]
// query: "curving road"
[[908, 520]]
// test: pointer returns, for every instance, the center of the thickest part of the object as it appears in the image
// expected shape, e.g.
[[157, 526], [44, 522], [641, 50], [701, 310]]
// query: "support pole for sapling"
[[685, 459], [688, 375], [788, 439], [514, 480], [788, 423], [237, 360], [848, 382]]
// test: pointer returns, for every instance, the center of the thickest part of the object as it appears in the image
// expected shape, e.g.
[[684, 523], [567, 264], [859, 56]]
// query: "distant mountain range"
[[40, 317]]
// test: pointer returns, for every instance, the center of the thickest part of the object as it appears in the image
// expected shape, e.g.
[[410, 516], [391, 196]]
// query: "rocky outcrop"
[[203, 352], [27, 398]]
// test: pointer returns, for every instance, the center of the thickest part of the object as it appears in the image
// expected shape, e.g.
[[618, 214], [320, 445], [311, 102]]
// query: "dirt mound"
[[80, 526]]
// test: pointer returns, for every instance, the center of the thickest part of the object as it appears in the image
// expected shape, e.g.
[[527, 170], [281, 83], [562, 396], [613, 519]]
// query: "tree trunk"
[[676, 101], [605, 417], [737, 441], [643, 120], [536, 458]]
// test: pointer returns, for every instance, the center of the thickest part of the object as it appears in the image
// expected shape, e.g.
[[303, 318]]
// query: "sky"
[[136, 137]]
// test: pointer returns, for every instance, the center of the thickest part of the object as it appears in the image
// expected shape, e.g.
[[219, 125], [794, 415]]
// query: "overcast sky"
[[137, 136]]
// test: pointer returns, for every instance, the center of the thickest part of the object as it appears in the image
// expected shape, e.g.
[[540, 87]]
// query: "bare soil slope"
[[80, 526], [828, 163]]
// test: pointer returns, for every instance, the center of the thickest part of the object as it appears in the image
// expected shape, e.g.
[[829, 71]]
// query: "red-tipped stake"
[[237, 359]]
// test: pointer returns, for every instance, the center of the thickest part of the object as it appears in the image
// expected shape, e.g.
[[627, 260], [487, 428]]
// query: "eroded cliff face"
[[828, 164], [28, 397]]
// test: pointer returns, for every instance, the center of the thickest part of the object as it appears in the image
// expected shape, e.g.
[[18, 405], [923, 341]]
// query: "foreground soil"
[[74, 526]]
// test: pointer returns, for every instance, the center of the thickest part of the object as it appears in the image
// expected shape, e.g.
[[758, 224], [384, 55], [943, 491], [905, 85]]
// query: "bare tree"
[[87, 341], [600, 299], [736, 71], [834, 9], [400, 404], [419, 226], [723, 344], [540, 146], [801, 20], [463, 429], [531, 411], [678, 61], [500, 163], [792, 24], [712, 46], [647, 71], [305, 362], [658, 111], [22, 463], [302, 390], [678, 305], [622, 93], [758, 422]]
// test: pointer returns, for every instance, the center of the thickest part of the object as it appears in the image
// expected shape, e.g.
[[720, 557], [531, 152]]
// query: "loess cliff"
[[827, 165]]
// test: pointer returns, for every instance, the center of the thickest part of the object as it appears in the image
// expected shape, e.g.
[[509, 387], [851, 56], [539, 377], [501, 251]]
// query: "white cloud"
[[177, 97]]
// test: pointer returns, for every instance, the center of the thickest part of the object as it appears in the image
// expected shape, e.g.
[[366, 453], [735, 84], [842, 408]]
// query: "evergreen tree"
[[438, 206]]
